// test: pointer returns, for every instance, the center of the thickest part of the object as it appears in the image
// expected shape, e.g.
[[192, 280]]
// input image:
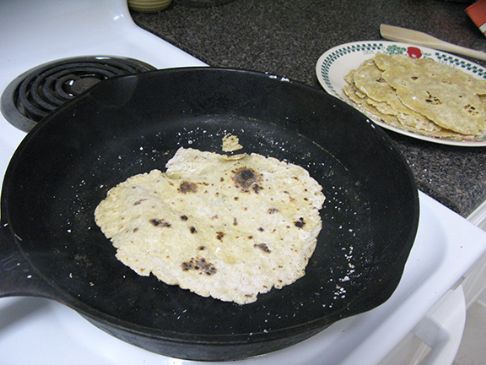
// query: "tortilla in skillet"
[[219, 226]]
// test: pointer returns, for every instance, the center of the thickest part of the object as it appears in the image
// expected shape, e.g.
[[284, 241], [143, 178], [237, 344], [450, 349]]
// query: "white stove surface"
[[56, 29], [43, 332]]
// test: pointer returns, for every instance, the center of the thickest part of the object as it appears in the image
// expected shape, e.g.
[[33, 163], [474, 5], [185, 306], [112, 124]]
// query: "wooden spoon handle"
[[400, 34]]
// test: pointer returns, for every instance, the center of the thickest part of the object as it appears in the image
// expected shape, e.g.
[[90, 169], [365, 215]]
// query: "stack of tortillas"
[[420, 95]]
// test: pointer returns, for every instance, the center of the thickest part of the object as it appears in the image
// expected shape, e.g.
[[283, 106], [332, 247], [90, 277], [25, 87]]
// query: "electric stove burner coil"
[[38, 92]]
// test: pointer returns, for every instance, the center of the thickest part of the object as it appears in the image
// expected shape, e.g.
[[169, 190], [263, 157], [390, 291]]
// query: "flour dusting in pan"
[[218, 226]]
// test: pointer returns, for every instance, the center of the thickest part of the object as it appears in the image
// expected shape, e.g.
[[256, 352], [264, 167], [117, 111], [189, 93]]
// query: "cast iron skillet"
[[133, 124]]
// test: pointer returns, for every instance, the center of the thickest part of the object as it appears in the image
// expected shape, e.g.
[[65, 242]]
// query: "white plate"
[[334, 64]]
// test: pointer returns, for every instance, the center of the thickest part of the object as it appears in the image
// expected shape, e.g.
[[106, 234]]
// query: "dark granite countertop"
[[287, 37]]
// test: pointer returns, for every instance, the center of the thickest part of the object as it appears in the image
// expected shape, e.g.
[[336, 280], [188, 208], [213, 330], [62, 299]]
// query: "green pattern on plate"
[[394, 49], [451, 60]]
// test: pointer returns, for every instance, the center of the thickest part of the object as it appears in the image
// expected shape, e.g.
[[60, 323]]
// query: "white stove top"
[[44, 332], [56, 29]]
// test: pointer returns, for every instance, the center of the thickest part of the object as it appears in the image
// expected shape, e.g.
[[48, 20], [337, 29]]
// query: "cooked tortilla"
[[399, 119], [438, 93], [217, 226], [421, 96]]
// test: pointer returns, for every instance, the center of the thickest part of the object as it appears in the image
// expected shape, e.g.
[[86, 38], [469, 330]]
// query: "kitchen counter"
[[287, 37]]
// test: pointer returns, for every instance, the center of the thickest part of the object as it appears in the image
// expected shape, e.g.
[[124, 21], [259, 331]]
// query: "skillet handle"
[[16, 275]]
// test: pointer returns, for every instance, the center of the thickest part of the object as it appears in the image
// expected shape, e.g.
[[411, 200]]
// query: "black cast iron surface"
[[132, 124], [287, 38]]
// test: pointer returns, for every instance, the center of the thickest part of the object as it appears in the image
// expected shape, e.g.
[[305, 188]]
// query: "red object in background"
[[477, 13], [414, 52]]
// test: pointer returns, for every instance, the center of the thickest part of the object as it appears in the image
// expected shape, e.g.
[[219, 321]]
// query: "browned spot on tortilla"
[[193, 230], [221, 179], [245, 177], [199, 264], [260, 229], [250, 237], [263, 247], [201, 248], [220, 235], [235, 222], [187, 187], [184, 217], [214, 217], [299, 223], [256, 188], [139, 201], [135, 229], [159, 222], [272, 210], [235, 198]]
